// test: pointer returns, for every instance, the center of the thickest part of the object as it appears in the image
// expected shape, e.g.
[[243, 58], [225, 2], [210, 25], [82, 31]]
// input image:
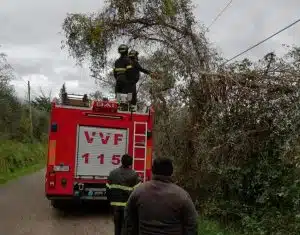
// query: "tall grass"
[[17, 158]]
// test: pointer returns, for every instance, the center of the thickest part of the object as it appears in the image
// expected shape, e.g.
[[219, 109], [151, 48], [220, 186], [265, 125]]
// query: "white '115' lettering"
[[115, 159]]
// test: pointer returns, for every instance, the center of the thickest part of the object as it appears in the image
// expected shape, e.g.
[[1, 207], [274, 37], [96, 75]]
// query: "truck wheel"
[[57, 204]]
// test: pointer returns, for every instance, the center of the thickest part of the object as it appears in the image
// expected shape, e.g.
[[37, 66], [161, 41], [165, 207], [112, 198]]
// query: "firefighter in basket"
[[135, 74], [121, 71], [127, 74], [121, 183]]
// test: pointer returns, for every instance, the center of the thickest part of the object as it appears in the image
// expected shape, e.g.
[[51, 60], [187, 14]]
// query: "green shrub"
[[16, 156], [207, 227], [235, 146]]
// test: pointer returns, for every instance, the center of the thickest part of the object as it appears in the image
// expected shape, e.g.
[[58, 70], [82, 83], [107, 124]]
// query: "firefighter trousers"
[[134, 94], [118, 212], [123, 85]]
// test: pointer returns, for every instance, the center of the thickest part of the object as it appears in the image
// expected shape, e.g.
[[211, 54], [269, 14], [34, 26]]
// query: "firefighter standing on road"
[[135, 73], [121, 70], [121, 183], [160, 206]]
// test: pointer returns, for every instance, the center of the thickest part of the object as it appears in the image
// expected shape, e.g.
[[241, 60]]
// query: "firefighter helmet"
[[123, 49], [133, 54]]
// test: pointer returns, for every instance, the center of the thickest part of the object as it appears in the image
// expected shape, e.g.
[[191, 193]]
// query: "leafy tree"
[[40, 124], [63, 90], [14, 118], [97, 95], [24, 127], [63, 93], [167, 26], [9, 104], [6, 72], [42, 102]]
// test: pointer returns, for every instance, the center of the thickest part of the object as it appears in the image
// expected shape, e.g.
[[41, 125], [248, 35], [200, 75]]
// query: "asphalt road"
[[24, 210]]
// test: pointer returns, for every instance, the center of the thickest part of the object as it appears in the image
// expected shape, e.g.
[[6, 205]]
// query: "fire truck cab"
[[87, 140]]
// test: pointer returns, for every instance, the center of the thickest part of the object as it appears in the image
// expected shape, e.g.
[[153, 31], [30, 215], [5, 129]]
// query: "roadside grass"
[[208, 227], [18, 159]]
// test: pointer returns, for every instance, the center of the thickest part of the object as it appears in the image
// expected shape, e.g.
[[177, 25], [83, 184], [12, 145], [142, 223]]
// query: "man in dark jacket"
[[121, 183], [135, 74], [122, 70], [159, 206]]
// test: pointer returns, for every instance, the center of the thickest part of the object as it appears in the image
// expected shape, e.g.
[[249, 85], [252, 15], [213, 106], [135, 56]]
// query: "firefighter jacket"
[[136, 69], [160, 207], [122, 67], [121, 183]]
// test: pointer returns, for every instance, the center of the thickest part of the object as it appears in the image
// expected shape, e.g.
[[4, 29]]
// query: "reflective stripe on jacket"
[[122, 65], [121, 182]]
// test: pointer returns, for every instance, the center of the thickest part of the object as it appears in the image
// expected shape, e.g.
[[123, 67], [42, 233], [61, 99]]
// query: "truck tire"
[[58, 204]]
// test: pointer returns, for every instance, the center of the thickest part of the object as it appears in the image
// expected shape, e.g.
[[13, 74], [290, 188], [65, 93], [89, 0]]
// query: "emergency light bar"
[[105, 106]]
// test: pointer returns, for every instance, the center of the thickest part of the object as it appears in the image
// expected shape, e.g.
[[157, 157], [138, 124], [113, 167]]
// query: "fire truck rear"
[[87, 141]]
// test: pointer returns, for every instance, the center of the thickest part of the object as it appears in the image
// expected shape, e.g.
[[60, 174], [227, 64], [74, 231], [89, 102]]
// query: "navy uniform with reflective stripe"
[[135, 74], [122, 74], [121, 183]]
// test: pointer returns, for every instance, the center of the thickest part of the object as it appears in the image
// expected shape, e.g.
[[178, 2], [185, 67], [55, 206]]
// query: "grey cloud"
[[24, 68], [33, 22], [245, 23], [75, 75], [29, 34], [31, 39]]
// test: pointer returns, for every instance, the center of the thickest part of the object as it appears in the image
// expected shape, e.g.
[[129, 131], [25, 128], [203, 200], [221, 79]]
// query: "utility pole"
[[30, 112]]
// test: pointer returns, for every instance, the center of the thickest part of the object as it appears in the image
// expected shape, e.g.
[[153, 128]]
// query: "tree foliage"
[[233, 130], [42, 102], [14, 117], [63, 90], [241, 145], [97, 95], [152, 25]]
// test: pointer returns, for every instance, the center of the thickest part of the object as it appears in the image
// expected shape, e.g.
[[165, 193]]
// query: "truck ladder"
[[140, 148]]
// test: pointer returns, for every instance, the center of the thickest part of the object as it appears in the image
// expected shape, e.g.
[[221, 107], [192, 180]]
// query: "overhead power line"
[[220, 13], [261, 42]]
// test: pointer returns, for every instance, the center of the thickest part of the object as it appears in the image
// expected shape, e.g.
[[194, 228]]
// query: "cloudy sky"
[[29, 35]]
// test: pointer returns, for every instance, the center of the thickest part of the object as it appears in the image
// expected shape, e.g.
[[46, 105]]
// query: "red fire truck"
[[87, 140]]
